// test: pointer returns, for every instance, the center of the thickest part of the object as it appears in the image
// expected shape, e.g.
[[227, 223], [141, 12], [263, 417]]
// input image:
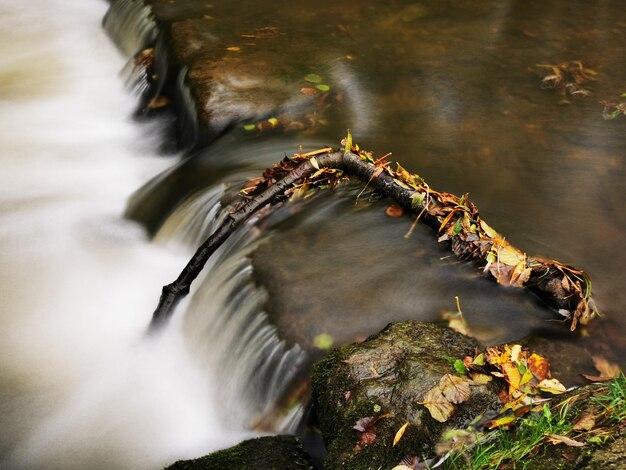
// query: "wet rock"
[[386, 377], [263, 453]]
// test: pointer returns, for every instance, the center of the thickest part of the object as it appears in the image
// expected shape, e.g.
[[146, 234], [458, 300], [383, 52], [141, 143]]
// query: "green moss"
[[263, 453]]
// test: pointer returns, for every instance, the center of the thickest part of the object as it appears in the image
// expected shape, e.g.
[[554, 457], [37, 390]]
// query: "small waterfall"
[[224, 322], [131, 26]]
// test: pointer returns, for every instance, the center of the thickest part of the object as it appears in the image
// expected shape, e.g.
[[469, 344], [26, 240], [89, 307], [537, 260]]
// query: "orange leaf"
[[394, 210], [308, 91], [539, 366]]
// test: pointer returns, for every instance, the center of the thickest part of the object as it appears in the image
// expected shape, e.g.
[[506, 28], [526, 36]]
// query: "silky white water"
[[81, 387]]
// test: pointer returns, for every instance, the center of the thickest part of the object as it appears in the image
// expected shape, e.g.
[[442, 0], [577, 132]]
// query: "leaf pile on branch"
[[566, 78], [455, 219]]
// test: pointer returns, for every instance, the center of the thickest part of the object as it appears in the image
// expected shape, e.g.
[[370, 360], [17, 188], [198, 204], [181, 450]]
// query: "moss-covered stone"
[[389, 374], [263, 453]]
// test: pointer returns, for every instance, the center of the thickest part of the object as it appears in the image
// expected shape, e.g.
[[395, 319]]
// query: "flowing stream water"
[[93, 220], [81, 385]]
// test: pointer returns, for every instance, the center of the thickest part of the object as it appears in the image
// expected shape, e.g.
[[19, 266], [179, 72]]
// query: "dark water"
[[451, 89]]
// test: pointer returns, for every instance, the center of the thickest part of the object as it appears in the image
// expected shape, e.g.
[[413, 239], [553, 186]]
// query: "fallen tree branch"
[[455, 219]]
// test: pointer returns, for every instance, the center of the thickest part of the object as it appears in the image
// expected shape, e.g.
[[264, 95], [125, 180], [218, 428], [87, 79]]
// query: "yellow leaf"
[[502, 421], [480, 379], [399, 434], [551, 386], [526, 377], [233, 49], [512, 376], [508, 254], [491, 233], [314, 163]]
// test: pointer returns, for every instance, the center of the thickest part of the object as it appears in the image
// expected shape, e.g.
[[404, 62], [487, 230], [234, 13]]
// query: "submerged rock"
[[263, 453], [385, 378]]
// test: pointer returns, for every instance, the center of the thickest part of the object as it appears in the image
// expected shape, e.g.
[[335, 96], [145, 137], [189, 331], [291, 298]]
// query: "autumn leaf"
[[439, 408], [551, 386], [308, 91], [607, 370], [480, 379], [394, 210], [512, 376], [557, 439], [454, 388], [539, 366], [502, 421], [363, 424], [585, 422], [399, 434]]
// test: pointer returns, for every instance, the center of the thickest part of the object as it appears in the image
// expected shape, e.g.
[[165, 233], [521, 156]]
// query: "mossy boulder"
[[263, 453], [386, 377]]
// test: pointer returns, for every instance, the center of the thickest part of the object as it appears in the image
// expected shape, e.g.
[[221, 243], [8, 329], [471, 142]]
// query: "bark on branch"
[[455, 219]]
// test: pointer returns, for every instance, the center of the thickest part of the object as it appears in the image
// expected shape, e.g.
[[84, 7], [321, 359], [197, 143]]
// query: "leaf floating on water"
[[394, 210], [308, 91], [399, 434], [323, 87], [273, 121], [323, 341], [608, 370], [249, 127], [233, 48], [313, 78]]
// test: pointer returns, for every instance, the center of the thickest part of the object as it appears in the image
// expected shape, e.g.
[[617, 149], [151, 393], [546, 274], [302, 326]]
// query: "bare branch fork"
[[455, 219]]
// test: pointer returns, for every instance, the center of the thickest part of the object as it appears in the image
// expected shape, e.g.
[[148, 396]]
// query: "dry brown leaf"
[[454, 388], [557, 439], [585, 422], [399, 434], [607, 369], [439, 408]]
